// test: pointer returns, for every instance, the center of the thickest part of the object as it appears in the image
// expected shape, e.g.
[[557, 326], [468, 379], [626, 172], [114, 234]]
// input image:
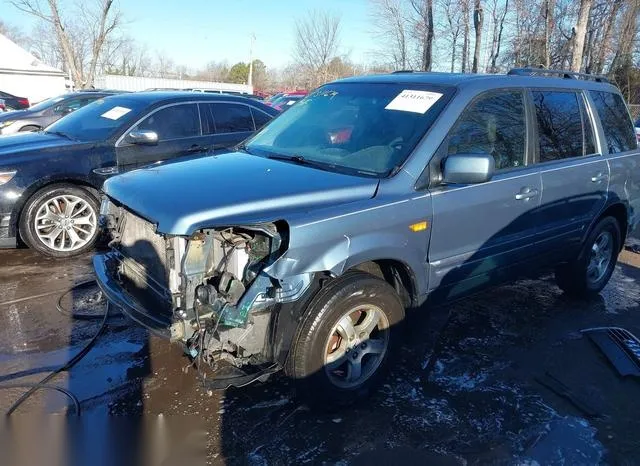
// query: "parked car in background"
[[50, 180], [637, 126], [13, 102], [43, 114], [3, 106], [302, 250], [286, 100]]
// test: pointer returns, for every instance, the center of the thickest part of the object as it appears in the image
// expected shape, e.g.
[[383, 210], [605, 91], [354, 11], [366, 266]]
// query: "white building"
[[23, 75], [138, 83]]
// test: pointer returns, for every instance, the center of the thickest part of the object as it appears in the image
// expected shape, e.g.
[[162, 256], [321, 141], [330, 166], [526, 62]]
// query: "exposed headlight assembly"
[[5, 177]]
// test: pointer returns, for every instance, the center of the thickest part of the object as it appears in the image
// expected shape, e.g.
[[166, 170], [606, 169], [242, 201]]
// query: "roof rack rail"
[[565, 74], [402, 71]]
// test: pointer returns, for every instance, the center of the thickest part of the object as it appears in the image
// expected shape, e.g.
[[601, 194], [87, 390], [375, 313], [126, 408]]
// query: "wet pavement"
[[466, 389]]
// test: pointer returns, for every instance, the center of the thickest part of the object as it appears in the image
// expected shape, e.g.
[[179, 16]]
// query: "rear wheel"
[[60, 221], [591, 271], [346, 340]]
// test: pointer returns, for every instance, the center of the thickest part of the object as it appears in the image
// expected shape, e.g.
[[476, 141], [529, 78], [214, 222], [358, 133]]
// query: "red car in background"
[[12, 102], [285, 100]]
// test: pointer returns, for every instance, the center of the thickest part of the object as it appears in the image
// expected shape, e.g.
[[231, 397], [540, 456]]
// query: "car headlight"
[[4, 124], [5, 177]]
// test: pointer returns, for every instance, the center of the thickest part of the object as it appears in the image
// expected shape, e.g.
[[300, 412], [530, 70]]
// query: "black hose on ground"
[[43, 384]]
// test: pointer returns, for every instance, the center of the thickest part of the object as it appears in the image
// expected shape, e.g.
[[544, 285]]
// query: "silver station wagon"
[[303, 249]]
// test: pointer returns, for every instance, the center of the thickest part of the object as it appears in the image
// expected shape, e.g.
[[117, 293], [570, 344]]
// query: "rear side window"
[[174, 122], [493, 124], [618, 129], [232, 118], [559, 125], [260, 118]]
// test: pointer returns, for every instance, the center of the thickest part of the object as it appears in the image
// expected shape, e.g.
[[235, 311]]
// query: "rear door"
[[482, 233], [575, 176], [179, 135], [227, 123], [623, 152]]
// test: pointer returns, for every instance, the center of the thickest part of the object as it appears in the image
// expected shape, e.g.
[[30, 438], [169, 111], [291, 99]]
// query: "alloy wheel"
[[65, 223], [356, 346]]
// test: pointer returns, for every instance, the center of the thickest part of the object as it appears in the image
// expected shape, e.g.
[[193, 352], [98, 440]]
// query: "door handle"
[[526, 193], [598, 178]]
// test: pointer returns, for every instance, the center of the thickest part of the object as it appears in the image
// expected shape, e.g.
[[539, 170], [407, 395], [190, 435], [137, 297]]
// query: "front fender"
[[340, 242]]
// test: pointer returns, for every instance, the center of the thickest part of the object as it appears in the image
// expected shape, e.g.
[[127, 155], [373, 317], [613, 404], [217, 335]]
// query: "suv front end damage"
[[210, 292]]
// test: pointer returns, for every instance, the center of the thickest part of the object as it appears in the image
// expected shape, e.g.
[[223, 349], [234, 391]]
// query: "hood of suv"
[[234, 188]]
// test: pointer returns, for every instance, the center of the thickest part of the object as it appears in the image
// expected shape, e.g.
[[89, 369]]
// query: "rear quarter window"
[[618, 128]]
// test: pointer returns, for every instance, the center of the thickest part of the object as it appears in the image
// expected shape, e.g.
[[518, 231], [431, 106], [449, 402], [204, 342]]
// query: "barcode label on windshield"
[[414, 101]]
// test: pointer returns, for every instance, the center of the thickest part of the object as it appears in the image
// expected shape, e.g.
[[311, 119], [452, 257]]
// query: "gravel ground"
[[465, 390]]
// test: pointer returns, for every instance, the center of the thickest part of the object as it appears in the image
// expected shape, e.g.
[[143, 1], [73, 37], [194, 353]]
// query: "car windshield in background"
[[46, 103], [365, 129], [97, 121]]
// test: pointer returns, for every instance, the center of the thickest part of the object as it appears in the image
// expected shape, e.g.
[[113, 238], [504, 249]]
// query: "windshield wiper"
[[60, 133]]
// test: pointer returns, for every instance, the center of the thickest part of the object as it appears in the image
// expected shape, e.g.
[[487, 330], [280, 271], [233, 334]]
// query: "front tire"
[[590, 272], [346, 340], [60, 220]]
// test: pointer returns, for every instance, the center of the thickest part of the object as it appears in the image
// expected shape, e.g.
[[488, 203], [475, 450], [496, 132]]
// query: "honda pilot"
[[303, 249]]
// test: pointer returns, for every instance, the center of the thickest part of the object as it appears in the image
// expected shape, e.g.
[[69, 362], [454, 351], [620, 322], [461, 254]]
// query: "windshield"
[[46, 103], [364, 128], [99, 120]]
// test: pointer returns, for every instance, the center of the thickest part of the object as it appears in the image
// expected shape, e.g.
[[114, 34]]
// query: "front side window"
[[69, 106], [493, 124], [618, 129], [174, 122], [365, 129], [260, 118], [232, 118], [559, 125]]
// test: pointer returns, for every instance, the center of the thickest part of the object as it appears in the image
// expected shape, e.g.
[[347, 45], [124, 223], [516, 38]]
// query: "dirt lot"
[[464, 391]]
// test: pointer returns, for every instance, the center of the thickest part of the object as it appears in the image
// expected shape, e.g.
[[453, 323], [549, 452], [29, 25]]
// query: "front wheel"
[[60, 221], [346, 340], [591, 271]]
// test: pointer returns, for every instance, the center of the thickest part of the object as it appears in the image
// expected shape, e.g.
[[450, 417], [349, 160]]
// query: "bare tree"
[[579, 34], [391, 28], [317, 42], [453, 23], [627, 35], [81, 44], [465, 35], [498, 16], [478, 20], [547, 13], [13, 33], [425, 30]]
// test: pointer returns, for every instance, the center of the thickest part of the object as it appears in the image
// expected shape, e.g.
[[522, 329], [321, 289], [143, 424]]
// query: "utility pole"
[[250, 79]]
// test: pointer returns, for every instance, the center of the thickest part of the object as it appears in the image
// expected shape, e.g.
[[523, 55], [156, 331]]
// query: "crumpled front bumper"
[[104, 265]]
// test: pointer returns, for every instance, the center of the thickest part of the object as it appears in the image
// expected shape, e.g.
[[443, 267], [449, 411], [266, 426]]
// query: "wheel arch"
[[620, 212], [397, 274], [39, 185]]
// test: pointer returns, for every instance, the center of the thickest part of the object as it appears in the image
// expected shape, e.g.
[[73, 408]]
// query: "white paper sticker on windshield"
[[414, 101], [115, 113]]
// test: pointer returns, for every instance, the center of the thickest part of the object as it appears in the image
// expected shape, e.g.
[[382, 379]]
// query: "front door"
[[483, 232], [179, 135], [575, 176]]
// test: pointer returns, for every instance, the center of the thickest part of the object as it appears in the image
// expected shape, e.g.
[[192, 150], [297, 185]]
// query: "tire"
[[580, 278], [314, 359], [29, 128], [35, 222]]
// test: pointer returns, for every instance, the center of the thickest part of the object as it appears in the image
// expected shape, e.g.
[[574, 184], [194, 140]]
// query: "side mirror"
[[143, 137], [468, 168]]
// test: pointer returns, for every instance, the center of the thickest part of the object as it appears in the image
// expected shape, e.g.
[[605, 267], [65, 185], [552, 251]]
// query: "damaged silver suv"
[[301, 250]]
